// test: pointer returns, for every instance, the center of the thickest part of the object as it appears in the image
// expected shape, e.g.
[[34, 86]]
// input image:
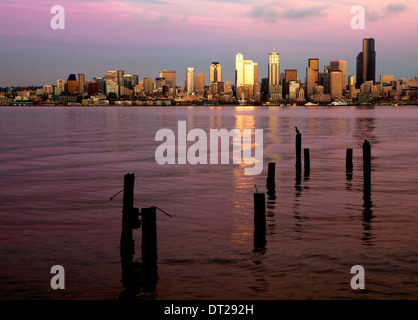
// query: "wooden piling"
[[349, 161], [259, 220], [271, 175], [298, 153], [126, 242], [307, 162], [367, 168], [149, 237]]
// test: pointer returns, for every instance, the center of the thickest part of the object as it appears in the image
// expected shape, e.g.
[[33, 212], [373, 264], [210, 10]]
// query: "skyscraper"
[[336, 84], [246, 71], [274, 68], [239, 70], [369, 60], [340, 65], [290, 75], [312, 76], [366, 63], [215, 72], [61, 84], [274, 75], [327, 80], [170, 77], [81, 83], [190, 81], [148, 85], [120, 74], [72, 85], [200, 83]]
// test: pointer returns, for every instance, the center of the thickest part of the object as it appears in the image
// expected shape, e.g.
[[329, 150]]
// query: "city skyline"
[[146, 36]]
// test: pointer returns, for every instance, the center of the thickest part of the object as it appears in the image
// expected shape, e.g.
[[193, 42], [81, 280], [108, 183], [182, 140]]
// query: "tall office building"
[[366, 63], [246, 71], [351, 81], [274, 68], [81, 83], [127, 81], [136, 79], [190, 81], [215, 72], [200, 84], [148, 85], [170, 77], [120, 74], [274, 75], [239, 70], [290, 75], [359, 70], [72, 85], [336, 84], [312, 76], [160, 83], [327, 79], [111, 75], [340, 65], [61, 84]]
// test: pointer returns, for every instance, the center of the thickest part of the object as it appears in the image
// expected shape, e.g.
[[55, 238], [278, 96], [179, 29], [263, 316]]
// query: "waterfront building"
[[290, 75], [72, 85], [274, 75], [200, 84], [170, 77], [336, 84], [61, 84], [215, 72], [148, 85], [312, 76], [246, 74], [340, 65], [366, 63], [190, 81], [81, 83]]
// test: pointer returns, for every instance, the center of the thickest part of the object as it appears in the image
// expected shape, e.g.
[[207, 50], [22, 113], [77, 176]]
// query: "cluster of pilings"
[[259, 198], [133, 278], [148, 275]]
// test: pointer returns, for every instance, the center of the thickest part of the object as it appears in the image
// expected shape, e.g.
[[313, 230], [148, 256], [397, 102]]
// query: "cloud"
[[270, 15], [262, 13], [396, 7], [389, 11], [314, 11]]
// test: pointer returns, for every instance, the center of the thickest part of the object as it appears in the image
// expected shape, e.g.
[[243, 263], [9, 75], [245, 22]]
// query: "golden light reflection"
[[243, 185]]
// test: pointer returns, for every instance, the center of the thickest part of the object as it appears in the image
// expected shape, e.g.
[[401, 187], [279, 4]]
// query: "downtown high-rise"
[[274, 75], [366, 63], [190, 81], [215, 72]]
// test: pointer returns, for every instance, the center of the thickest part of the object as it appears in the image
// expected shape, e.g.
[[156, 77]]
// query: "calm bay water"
[[60, 166]]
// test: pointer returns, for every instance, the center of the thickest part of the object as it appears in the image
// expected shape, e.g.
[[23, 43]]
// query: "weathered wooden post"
[[307, 162], [271, 175], [367, 168], [298, 153], [130, 221], [259, 220], [349, 161], [126, 242], [149, 242]]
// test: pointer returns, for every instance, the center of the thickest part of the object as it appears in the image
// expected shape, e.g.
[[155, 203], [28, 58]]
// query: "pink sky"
[[144, 37]]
